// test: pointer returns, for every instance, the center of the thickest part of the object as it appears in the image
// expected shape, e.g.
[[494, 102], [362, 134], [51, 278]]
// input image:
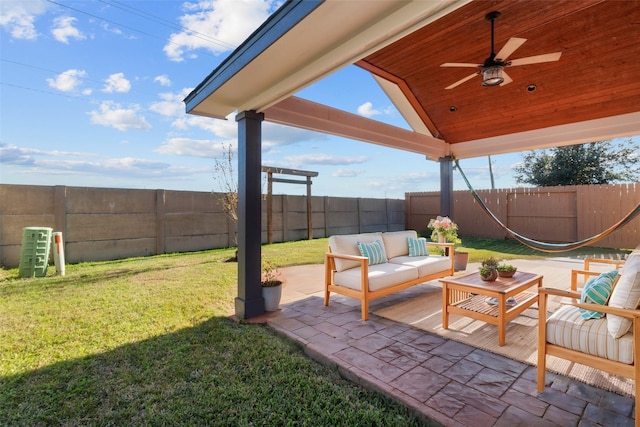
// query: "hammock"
[[543, 246]]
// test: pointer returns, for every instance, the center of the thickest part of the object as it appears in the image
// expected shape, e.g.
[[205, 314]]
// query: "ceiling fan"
[[492, 70]]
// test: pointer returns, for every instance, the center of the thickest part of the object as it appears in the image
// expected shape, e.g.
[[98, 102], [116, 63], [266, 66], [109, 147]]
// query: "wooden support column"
[[249, 302], [446, 186], [270, 170], [269, 207]]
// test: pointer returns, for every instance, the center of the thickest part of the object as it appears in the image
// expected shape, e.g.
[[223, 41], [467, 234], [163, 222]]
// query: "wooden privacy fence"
[[549, 214], [106, 223]]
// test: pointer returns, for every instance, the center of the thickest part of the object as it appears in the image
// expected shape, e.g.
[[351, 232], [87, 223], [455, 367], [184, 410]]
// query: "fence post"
[[160, 222]]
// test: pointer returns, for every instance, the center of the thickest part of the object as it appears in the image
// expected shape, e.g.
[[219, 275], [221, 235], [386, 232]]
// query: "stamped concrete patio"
[[445, 381]]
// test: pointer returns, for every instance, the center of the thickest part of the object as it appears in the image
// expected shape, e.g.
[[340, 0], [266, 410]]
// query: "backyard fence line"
[[550, 214], [107, 223]]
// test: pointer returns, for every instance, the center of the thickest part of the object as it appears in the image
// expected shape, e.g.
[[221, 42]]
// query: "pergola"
[[591, 93]]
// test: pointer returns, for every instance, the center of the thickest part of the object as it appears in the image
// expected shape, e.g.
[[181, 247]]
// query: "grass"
[[148, 341]]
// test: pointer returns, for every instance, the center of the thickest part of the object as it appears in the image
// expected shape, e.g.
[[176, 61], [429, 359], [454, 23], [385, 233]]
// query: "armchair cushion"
[[417, 247], [374, 251], [597, 290], [567, 328], [626, 294]]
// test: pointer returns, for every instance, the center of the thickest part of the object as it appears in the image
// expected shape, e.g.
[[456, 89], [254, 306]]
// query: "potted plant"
[[506, 270], [271, 281], [443, 230], [489, 269]]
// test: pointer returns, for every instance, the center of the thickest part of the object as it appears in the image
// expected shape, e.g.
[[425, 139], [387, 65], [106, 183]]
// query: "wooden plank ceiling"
[[598, 74]]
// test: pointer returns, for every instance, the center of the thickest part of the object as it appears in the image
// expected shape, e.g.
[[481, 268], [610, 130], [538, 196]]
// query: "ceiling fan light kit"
[[492, 69], [492, 76]]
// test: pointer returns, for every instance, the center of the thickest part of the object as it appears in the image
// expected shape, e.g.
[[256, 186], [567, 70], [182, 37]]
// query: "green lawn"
[[148, 341]]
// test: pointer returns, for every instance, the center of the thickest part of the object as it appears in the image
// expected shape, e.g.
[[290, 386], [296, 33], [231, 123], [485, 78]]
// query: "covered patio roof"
[[591, 93]]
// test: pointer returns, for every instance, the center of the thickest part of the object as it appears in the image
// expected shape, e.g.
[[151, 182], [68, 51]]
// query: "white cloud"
[[52, 162], [216, 25], [117, 83], [367, 110], [324, 159], [171, 104], [163, 80], [113, 115], [68, 81], [346, 172], [206, 148], [12, 154], [18, 17], [64, 30]]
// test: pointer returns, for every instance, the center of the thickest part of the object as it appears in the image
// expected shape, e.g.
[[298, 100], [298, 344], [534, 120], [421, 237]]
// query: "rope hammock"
[[543, 246]]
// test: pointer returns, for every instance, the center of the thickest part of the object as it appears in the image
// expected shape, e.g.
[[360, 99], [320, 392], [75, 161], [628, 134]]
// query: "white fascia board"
[[402, 104], [621, 126]]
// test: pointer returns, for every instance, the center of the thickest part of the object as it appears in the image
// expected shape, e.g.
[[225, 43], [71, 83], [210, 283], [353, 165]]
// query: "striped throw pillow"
[[597, 290], [417, 247], [374, 251]]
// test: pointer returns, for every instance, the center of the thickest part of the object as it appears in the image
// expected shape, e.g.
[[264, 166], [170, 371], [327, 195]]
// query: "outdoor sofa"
[[371, 265]]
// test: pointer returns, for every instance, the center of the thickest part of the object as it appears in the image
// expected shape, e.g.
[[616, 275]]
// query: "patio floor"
[[443, 380]]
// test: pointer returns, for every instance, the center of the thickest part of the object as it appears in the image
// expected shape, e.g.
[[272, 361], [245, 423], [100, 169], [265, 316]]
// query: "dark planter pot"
[[492, 276], [506, 273], [460, 260]]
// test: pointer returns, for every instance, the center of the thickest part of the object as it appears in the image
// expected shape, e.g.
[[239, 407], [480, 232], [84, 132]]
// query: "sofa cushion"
[[597, 291], [626, 294], [348, 244], [426, 265], [568, 329], [395, 242], [417, 247], [374, 251], [380, 276]]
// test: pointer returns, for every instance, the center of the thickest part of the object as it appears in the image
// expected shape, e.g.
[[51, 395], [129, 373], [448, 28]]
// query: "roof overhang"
[[304, 41]]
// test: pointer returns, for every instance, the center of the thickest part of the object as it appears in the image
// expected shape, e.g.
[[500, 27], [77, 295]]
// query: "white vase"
[[441, 238], [272, 295]]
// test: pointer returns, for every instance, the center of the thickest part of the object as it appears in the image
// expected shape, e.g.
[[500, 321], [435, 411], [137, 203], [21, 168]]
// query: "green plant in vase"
[[489, 269], [506, 270]]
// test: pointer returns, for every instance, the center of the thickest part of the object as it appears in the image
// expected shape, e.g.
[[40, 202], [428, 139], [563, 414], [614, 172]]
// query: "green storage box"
[[34, 257]]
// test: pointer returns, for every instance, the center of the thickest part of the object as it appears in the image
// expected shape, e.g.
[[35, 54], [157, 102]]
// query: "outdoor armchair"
[[597, 327]]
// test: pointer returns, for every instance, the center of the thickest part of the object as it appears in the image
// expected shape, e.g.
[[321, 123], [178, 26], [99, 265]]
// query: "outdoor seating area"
[[371, 265], [460, 375]]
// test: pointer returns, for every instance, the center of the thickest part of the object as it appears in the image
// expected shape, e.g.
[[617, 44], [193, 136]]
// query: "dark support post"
[[446, 186], [309, 211], [249, 302]]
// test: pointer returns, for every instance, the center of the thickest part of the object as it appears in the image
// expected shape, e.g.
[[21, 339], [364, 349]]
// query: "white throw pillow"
[[626, 294]]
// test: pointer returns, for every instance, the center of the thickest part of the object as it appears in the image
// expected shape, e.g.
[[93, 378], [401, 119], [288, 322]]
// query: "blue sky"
[[91, 95]]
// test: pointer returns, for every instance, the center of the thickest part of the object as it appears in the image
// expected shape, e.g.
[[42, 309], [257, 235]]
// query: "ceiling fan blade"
[[509, 48], [459, 82], [460, 64], [506, 78], [548, 57]]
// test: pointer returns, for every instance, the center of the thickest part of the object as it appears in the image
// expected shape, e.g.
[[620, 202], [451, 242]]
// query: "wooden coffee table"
[[467, 295]]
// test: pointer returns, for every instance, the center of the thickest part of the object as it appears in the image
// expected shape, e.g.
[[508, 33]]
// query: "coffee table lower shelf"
[[467, 295]]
